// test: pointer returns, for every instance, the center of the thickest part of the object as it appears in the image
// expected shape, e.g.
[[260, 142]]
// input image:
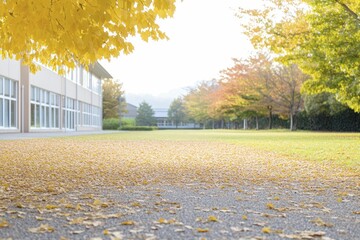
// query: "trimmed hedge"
[[128, 122], [138, 128], [111, 124]]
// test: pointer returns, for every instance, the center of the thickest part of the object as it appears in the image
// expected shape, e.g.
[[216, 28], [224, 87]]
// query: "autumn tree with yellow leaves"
[[254, 86], [112, 94], [322, 37], [66, 32]]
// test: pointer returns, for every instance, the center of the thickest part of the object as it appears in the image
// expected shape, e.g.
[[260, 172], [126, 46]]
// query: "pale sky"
[[204, 37]]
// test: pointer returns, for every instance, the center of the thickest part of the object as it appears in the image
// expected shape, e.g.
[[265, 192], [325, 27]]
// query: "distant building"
[[131, 111], [162, 120]]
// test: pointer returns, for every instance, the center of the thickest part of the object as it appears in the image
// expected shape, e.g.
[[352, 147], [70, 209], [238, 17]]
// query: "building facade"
[[131, 111], [46, 101], [163, 121]]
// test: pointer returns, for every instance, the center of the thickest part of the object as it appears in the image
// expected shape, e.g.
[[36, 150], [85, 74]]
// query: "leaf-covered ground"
[[155, 189]]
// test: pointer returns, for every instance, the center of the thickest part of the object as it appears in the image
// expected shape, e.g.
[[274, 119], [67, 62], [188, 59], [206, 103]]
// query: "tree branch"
[[351, 12]]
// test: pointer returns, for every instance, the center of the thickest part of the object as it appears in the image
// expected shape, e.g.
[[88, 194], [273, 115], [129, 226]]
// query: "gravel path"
[[194, 211]]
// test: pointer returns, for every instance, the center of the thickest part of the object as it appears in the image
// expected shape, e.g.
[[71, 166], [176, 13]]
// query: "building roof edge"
[[100, 71]]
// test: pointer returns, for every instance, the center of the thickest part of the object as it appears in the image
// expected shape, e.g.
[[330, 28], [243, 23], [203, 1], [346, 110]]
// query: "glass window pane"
[[32, 115], [1, 112], [89, 81], [47, 97], [63, 119], [42, 96], [67, 119], [72, 120], [7, 87], [1, 86], [57, 118], [73, 74], [53, 118], [37, 94], [13, 89], [37, 114], [99, 86], [6, 113], [32, 93], [13, 113], [48, 117], [43, 116]]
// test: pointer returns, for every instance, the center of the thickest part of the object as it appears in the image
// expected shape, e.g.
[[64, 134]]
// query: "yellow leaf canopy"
[[63, 32]]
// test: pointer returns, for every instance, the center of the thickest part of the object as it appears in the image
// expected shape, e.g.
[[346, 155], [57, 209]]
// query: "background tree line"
[[114, 107], [312, 80], [259, 92]]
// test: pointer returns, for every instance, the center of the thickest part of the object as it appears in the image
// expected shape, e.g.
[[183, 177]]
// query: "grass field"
[[339, 148], [177, 157]]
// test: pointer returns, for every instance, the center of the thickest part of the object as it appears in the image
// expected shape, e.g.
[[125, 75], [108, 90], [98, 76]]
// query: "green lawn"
[[339, 148]]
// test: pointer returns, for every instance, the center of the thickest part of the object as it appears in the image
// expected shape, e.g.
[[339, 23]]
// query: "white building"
[[46, 101], [163, 121]]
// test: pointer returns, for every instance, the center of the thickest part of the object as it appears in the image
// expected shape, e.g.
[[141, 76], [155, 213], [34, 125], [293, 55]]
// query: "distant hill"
[[162, 100]]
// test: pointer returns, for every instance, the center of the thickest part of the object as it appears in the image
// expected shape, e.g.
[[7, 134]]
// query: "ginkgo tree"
[[66, 32], [322, 37], [112, 94]]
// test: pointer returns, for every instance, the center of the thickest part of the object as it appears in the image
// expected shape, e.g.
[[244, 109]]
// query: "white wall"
[[48, 80], [10, 69]]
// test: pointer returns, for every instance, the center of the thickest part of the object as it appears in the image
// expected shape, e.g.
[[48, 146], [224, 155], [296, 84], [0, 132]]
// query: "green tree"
[[333, 47], [322, 104], [112, 95], [321, 37], [177, 112], [145, 116]]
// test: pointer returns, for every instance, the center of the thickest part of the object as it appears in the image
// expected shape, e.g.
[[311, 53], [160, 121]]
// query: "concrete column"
[[24, 99]]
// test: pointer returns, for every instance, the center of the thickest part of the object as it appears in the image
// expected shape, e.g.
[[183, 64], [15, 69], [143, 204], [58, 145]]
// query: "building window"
[[96, 84], [96, 112], [70, 113], [45, 109], [90, 115], [8, 103], [72, 74], [86, 114], [86, 79]]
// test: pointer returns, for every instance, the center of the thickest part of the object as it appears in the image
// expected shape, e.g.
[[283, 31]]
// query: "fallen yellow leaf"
[[128, 223], [51, 207], [266, 230], [202, 230], [270, 206], [3, 223], [212, 219], [43, 228]]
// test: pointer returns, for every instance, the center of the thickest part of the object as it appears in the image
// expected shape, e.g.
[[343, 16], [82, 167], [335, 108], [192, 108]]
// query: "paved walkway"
[[258, 212], [17, 136]]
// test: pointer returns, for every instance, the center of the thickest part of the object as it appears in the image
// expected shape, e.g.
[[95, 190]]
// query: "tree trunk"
[[245, 124], [292, 122], [257, 122], [270, 118]]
